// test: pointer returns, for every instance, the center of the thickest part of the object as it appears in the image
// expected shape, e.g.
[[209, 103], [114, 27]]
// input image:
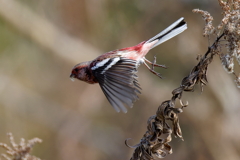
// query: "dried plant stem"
[[158, 127], [155, 141], [19, 151]]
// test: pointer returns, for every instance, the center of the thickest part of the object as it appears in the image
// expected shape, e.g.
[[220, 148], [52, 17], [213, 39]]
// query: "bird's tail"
[[174, 29]]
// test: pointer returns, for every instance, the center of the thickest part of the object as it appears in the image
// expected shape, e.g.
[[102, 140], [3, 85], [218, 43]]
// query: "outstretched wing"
[[118, 81]]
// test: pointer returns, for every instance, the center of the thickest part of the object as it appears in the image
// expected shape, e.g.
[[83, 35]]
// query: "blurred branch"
[[44, 111], [45, 33]]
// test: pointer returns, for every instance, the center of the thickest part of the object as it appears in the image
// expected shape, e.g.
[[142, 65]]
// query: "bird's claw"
[[159, 75]]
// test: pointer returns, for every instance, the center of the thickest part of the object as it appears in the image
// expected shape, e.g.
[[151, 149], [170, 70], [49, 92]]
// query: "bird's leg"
[[154, 63], [151, 70]]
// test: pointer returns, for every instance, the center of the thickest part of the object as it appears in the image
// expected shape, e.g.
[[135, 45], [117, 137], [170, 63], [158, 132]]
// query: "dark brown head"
[[81, 72]]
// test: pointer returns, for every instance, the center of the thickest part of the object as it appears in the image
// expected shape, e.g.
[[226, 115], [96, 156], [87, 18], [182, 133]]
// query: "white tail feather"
[[169, 32]]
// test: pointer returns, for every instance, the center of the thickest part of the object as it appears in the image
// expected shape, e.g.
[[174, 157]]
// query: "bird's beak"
[[72, 76]]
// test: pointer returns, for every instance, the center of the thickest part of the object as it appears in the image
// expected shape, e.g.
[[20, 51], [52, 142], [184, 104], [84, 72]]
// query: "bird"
[[116, 71]]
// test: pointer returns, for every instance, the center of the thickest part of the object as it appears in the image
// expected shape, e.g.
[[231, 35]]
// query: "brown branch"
[[159, 125], [155, 142]]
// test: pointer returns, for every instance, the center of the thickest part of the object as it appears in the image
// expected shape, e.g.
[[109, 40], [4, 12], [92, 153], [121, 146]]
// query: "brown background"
[[40, 42]]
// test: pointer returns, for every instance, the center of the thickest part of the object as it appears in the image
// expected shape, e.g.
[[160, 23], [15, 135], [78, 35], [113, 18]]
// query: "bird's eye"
[[76, 69]]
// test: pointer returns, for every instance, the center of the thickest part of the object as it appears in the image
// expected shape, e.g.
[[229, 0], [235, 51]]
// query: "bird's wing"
[[118, 81]]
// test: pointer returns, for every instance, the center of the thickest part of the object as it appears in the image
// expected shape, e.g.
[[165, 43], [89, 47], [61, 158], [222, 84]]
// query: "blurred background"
[[40, 42]]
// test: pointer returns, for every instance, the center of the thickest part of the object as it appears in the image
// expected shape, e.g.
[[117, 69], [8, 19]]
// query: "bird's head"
[[79, 71]]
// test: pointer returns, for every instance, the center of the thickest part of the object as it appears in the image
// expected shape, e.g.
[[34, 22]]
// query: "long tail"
[[174, 29]]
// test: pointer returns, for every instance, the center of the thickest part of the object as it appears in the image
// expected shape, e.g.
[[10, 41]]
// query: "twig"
[[155, 141], [158, 127]]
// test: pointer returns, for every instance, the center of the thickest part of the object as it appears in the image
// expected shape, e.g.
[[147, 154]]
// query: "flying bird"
[[115, 71]]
